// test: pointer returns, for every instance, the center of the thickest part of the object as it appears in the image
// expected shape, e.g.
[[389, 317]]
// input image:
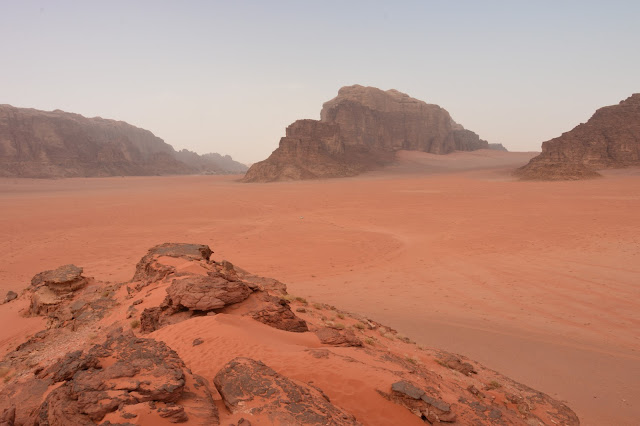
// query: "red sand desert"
[[537, 280]]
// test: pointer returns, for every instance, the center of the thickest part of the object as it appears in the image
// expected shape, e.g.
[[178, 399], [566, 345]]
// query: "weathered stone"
[[65, 279], [331, 336], [455, 363], [11, 295], [144, 370], [150, 319], [407, 389], [149, 270], [250, 386], [436, 403], [360, 130], [206, 293], [610, 139], [276, 312]]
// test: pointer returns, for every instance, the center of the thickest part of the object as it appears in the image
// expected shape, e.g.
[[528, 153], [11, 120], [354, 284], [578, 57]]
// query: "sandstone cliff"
[[43, 144], [360, 129], [610, 139]]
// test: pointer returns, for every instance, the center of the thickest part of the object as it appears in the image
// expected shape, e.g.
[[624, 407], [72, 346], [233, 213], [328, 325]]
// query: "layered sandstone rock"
[[45, 144], [359, 130], [610, 139]]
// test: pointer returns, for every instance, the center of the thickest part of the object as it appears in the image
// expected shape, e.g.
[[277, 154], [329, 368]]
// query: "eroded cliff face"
[[360, 129], [45, 144], [610, 139]]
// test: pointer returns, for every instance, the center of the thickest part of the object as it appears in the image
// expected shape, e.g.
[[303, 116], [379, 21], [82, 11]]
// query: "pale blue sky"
[[228, 77]]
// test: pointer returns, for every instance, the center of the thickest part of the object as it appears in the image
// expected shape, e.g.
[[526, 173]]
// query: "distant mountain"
[[361, 129], [497, 147], [610, 139], [211, 163], [46, 144]]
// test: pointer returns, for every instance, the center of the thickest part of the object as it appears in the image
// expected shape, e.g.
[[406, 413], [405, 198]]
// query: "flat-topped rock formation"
[[46, 144], [610, 139], [197, 341], [359, 130]]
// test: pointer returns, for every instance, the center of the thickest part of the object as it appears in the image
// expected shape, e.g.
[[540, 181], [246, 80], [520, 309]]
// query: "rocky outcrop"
[[360, 130], [50, 288], [275, 312], [333, 337], [610, 139], [46, 144], [69, 374], [11, 295], [206, 293], [429, 408], [149, 269], [249, 386], [124, 371], [214, 287]]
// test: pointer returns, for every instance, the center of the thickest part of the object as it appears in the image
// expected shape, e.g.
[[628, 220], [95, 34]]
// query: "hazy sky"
[[229, 77]]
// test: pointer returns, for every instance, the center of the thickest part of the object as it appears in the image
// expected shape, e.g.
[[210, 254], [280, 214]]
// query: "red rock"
[[149, 270], [275, 312], [249, 386], [610, 139], [360, 130], [333, 337], [65, 279], [125, 370], [206, 293], [43, 144]]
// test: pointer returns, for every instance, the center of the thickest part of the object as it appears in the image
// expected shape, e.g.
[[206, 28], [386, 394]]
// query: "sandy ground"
[[538, 280]]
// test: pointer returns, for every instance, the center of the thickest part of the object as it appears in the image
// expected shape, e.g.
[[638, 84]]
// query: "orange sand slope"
[[537, 280]]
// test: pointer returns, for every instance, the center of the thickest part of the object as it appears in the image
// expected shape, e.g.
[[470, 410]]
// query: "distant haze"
[[228, 77]]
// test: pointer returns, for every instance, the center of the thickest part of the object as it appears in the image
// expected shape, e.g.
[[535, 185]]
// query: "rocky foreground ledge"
[[195, 341]]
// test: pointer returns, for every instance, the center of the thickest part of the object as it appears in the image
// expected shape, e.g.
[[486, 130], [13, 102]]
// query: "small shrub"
[[341, 316], [369, 341], [359, 326], [339, 326], [135, 323], [318, 306], [302, 300]]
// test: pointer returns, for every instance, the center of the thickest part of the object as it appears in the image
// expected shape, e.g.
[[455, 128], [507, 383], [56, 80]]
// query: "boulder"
[[333, 337], [206, 293], [276, 312], [416, 400], [63, 280], [149, 269], [125, 370], [249, 386], [11, 295]]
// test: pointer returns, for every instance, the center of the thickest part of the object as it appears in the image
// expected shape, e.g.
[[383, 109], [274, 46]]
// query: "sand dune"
[[538, 280]]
